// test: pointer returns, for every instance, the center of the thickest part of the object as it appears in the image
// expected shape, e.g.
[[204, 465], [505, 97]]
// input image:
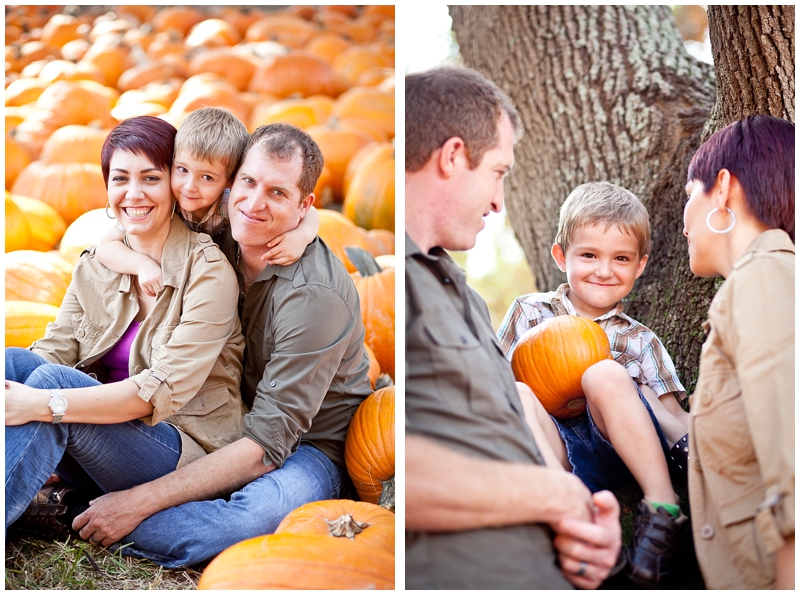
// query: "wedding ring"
[[582, 568]]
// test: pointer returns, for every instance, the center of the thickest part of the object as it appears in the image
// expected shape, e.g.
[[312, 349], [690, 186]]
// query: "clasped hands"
[[588, 550]]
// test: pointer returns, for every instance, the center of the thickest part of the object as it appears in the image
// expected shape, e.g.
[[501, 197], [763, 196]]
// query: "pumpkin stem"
[[387, 495], [364, 262], [345, 526]]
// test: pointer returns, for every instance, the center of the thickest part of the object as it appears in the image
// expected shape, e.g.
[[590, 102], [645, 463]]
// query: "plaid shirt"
[[632, 344], [214, 222]]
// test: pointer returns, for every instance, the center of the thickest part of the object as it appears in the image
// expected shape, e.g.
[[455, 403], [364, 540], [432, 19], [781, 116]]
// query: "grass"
[[73, 564]]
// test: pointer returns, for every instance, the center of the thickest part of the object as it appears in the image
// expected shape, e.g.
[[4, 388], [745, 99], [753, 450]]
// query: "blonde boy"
[[633, 401], [208, 148]]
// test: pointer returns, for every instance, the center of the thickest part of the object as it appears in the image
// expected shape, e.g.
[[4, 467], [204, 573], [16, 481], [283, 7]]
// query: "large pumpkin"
[[37, 277], [26, 321], [366, 522], [337, 231], [290, 561], [369, 448], [17, 231], [369, 194], [552, 357], [376, 293], [45, 226], [85, 231], [70, 188]]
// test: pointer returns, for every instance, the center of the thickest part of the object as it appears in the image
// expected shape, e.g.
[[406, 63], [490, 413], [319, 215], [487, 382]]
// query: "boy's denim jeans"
[[105, 458]]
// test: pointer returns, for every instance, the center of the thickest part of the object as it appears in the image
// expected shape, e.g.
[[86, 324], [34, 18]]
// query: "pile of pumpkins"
[[73, 73]]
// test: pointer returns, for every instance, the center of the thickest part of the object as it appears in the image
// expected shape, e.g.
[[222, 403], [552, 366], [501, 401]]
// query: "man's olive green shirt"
[[460, 392], [305, 366]]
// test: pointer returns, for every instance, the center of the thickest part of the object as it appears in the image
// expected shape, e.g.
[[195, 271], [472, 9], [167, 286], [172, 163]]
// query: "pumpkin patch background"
[[73, 73]]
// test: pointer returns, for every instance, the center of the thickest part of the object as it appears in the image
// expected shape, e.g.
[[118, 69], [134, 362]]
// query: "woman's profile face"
[[700, 238], [139, 194]]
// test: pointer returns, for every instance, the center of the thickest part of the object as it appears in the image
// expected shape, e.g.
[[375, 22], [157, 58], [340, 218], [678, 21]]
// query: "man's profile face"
[[477, 192], [265, 199]]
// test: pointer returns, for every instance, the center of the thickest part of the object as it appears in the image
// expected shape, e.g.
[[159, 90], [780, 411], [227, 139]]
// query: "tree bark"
[[753, 49], [609, 93]]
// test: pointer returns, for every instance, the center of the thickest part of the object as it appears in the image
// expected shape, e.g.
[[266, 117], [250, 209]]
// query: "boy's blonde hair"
[[213, 134], [603, 203]]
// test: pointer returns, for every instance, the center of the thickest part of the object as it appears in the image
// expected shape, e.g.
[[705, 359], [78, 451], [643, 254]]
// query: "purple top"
[[116, 360]]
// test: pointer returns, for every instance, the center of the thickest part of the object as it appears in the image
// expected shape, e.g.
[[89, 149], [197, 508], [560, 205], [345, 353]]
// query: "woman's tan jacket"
[[741, 457], [186, 357]]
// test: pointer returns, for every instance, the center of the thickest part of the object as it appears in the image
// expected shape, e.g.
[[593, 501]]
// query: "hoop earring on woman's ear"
[[174, 202], [108, 204], [727, 229]]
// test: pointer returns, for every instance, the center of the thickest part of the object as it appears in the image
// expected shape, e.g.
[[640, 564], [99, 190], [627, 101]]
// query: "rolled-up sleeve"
[[762, 319], [311, 327], [208, 319]]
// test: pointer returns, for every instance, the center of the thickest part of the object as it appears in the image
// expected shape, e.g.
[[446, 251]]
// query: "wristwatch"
[[57, 404]]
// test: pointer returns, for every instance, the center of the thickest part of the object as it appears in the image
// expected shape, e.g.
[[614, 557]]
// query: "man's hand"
[[109, 518], [590, 549]]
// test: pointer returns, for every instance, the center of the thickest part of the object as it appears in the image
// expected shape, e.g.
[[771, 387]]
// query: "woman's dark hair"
[[759, 152], [143, 135]]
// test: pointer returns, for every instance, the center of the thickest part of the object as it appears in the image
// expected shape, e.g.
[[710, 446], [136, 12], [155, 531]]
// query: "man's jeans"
[[197, 531], [94, 458], [119, 456]]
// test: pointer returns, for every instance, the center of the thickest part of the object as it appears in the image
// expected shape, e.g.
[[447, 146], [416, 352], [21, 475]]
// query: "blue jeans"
[[197, 531], [593, 458], [95, 458]]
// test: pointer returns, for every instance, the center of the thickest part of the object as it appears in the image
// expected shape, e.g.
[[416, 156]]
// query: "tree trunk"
[[609, 93]]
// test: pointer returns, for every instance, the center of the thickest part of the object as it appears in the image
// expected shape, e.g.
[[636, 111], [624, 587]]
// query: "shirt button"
[[463, 340], [706, 398], [273, 383], [707, 532], [446, 279], [80, 333], [246, 320]]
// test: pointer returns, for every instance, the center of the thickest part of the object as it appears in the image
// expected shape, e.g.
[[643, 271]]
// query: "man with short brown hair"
[[480, 501]]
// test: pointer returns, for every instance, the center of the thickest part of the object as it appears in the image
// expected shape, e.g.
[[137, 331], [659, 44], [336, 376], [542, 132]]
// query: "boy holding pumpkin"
[[633, 401], [207, 151]]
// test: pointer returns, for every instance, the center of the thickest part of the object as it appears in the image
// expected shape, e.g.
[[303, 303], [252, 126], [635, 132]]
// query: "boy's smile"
[[601, 266], [197, 184]]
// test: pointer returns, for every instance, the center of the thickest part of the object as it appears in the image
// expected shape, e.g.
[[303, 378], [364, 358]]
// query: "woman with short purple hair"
[[125, 387], [739, 222]]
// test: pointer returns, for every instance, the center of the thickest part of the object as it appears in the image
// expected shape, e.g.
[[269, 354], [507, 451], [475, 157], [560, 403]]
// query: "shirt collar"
[[562, 298]]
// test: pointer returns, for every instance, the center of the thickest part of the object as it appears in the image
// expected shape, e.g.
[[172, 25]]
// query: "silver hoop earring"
[[174, 202], [727, 229], [108, 204]]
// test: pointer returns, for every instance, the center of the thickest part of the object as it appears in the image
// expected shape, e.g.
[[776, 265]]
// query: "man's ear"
[[305, 204], [559, 257], [641, 265], [453, 150]]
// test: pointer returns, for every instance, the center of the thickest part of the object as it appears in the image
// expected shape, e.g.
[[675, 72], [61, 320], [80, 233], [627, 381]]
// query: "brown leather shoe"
[[51, 513], [655, 542]]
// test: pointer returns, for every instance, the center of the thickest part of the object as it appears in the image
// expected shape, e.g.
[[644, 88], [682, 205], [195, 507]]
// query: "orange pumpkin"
[[552, 357], [369, 196], [351, 62], [212, 33], [370, 104], [74, 143], [376, 294], [35, 276], [70, 188], [374, 367], [181, 18], [45, 226], [17, 159], [369, 448], [84, 232], [26, 322], [370, 524], [327, 46], [236, 67], [381, 242], [338, 143], [337, 231], [308, 562], [17, 232], [295, 73]]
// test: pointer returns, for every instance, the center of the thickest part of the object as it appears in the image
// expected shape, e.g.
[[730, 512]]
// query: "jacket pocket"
[[87, 333], [722, 434], [213, 418]]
